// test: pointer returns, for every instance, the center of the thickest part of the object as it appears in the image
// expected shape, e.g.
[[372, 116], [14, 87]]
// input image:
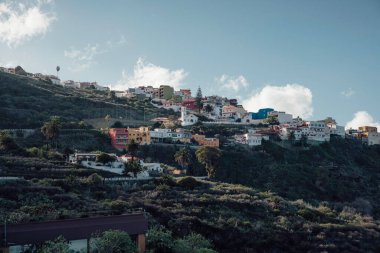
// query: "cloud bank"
[[20, 23], [348, 93], [362, 118], [84, 58], [145, 73], [292, 98], [227, 82]]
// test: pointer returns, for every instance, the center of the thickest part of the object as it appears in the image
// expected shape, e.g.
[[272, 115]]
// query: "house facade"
[[119, 137], [139, 135]]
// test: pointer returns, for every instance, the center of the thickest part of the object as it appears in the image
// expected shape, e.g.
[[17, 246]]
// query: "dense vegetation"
[[233, 217]]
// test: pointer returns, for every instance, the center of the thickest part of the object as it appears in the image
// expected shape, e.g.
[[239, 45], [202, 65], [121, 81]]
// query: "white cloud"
[[291, 98], [362, 118], [145, 73], [20, 23], [9, 64], [348, 93], [84, 58], [230, 82]]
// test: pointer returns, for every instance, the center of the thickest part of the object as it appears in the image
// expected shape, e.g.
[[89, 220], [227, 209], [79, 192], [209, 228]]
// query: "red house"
[[119, 137], [190, 104]]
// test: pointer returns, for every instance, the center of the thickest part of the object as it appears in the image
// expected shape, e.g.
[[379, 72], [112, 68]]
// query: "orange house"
[[203, 141]]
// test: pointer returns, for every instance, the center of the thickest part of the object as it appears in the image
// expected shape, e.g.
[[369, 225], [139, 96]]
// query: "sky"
[[311, 58]]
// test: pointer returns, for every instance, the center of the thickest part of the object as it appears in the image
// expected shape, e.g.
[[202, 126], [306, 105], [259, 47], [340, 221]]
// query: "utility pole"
[[5, 231]]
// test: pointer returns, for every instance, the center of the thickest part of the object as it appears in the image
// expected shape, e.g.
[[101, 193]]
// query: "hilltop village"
[[267, 124], [186, 170]]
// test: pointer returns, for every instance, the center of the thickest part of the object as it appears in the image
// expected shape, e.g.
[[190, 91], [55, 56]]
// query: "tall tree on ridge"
[[198, 99]]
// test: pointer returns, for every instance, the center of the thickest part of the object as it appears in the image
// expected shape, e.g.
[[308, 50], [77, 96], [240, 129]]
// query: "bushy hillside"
[[341, 172], [27, 103], [235, 218]]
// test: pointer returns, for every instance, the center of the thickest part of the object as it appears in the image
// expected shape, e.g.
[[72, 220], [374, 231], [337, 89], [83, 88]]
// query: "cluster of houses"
[[218, 110], [54, 79], [121, 137]]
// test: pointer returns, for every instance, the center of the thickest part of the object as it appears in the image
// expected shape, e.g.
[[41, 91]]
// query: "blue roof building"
[[262, 113]]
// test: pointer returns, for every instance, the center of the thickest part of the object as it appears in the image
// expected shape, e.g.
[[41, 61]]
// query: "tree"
[[7, 142], [117, 124], [132, 148], [304, 140], [198, 99], [113, 241], [94, 179], [209, 157], [160, 240], [183, 157], [51, 129], [193, 243], [59, 245], [133, 167], [112, 94], [104, 158], [208, 108]]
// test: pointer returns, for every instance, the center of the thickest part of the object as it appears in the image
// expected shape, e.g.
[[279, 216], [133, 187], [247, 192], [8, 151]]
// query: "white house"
[[55, 80], [152, 167], [373, 138], [252, 138], [88, 160], [281, 117], [186, 118], [336, 130]]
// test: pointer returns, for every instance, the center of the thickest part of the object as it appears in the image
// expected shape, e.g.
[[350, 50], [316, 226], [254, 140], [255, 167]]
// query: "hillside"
[[342, 172], [235, 218], [27, 103]]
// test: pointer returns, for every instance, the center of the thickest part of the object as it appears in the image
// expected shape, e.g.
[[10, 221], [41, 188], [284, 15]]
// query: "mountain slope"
[[27, 103]]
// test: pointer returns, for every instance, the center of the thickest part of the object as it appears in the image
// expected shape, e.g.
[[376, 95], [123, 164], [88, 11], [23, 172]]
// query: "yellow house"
[[140, 135], [367, 129], [203, 141]]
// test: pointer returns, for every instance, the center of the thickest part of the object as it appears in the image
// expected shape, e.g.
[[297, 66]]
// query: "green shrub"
[[166, 180], [188, 183], [162, 187], [192, 243], [113, 241], [118, 206], [160, 239]]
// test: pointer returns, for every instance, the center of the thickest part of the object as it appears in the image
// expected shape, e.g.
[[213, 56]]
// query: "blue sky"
[[312, 58]]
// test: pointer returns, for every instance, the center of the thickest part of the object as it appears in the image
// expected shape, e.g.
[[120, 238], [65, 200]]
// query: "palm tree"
[[183, 157], [51, 128], [209, 157], [107, 118], [132, 148], [292, 137], [208, 108]]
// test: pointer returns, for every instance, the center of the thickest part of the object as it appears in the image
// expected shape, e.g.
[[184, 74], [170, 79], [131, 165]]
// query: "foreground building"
[[21, 237]]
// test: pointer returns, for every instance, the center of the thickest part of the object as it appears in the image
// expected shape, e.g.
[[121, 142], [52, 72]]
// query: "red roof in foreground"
[[73, 229]]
